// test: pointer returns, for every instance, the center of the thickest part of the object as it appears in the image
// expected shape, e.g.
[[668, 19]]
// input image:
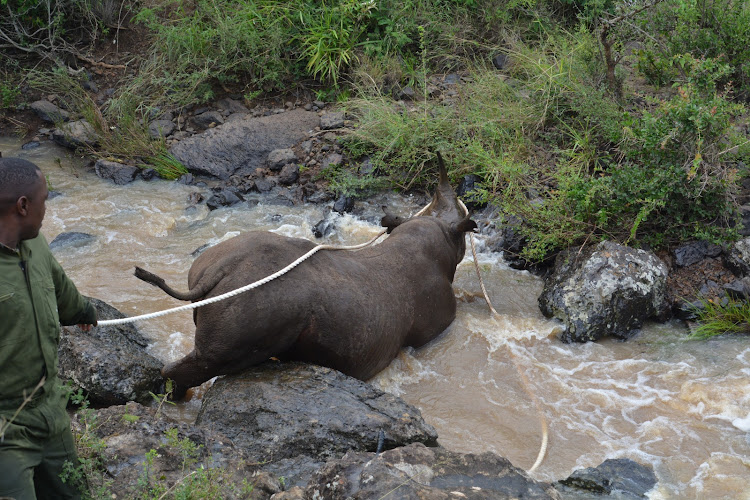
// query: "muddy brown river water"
[[681, 406]]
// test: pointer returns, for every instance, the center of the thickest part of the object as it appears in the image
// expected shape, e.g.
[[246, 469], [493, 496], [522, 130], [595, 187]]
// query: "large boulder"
[[284, 410], [608, 290], [242, 145], [416, 471], [109, 363], [145, 451]]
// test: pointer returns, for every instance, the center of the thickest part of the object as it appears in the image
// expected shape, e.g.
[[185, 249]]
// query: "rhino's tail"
[[195, 293]]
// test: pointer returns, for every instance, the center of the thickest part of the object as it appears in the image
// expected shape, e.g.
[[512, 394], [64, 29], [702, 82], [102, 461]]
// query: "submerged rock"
[[71, 238], [614, 478]]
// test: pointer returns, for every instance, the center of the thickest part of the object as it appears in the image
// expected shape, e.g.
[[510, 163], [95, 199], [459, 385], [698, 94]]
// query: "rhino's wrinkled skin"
[[348, 310]]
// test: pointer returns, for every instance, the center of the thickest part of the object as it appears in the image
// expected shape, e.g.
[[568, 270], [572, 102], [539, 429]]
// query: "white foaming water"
[[682, 407]]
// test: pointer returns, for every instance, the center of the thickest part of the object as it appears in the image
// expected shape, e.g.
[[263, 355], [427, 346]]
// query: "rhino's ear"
[[391, 221], [466, 225]]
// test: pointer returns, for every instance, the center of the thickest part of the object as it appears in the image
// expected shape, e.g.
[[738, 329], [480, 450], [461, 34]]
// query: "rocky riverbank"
[[283, 431], [278, 151]]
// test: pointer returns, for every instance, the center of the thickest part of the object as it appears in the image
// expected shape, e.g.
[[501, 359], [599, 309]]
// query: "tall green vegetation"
[[570, 139], [556, 148], [718, 30], [716, 317]]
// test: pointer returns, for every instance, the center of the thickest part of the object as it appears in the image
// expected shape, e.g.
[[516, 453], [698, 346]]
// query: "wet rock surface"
[[116, 172], [416, 471], [281, 411], [614, 478], [145, 449], [72, 238], [109, 363]]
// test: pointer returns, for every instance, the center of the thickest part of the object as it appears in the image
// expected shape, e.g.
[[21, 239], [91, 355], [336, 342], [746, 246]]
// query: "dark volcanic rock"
[[289, 174], [244, 144], [500, 61], [116, 172], [284, 410], [694, 252], [232, 106], [609, 290], [323, 228], [332, 120], [614, 478], [343, 204], [73, 135], [208, 119], [49, 112], [280, 157], [109, 363], [737, 259], [224, 197], [417, 472], [161, 128]]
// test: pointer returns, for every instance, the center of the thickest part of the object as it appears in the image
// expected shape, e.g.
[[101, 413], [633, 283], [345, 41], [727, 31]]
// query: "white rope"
[[261, 282], [524, 379], [313, 251], [195, 305]]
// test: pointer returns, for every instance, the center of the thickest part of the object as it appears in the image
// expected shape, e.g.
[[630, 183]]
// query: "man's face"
[[36, 209]]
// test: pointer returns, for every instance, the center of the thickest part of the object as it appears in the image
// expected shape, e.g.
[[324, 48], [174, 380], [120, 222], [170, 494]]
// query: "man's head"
[[23, 193]]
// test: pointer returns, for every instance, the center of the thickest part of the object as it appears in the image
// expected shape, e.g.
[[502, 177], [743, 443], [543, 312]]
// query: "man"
[[35, 298]]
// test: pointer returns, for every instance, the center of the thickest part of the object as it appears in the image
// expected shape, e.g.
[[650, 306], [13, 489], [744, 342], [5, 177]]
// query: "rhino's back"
[[246, 258]]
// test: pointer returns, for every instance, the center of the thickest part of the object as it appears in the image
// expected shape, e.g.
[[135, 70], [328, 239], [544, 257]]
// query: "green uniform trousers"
[[33, 450]]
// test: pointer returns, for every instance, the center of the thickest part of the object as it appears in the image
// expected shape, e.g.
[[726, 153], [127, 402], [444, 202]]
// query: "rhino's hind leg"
[[187, 372]]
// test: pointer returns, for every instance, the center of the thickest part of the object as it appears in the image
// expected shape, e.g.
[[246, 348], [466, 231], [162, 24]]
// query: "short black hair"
[[17, 178]]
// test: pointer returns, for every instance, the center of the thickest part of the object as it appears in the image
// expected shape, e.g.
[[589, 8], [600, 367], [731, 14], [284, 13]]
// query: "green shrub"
[[217, 40], [714, 30], [121, 129], [8, 95], [677, 179]]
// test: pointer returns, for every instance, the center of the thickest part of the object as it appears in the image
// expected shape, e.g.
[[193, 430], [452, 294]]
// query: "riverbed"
[[681, 406]]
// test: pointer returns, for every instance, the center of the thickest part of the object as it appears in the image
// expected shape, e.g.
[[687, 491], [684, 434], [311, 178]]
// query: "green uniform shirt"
[[35, 298]]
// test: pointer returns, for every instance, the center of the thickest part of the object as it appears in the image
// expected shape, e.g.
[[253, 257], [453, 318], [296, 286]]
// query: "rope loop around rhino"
[[260, 282], [525, 381]]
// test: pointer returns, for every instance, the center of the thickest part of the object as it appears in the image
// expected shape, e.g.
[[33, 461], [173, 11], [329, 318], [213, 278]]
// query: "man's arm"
[[73, 308]]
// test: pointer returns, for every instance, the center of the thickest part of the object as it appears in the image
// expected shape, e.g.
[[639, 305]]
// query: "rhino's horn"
[[443, 171]]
